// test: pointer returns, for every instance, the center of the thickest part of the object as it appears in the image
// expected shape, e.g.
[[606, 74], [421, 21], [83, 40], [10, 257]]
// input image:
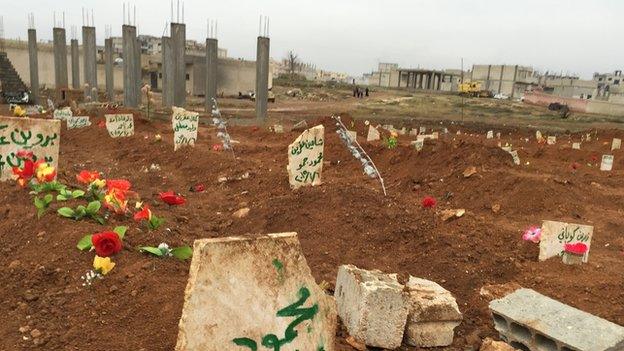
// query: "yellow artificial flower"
[[18, 111], [103, 265], [99, 183], [44, 172]]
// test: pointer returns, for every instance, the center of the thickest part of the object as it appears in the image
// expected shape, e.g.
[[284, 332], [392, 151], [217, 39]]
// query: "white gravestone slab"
[[435, 135], [576, 146], [423, 130], [254, 294], [62, 113], [413, 132], [418, 144], [556, 234], [278, 128], [607, 163], [489, 135], [552, 140], [373, 134], [185, 124], [41, 136], [538, 136], [616, 144], [516, 158], [78, 122], [305, 158], [352, 135], [120, 125]]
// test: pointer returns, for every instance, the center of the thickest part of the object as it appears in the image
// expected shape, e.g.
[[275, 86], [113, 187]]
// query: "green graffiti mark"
[[271, 341], [279, 266]]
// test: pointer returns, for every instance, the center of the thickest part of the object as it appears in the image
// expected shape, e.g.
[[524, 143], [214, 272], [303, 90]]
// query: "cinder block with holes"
[[531, 321]]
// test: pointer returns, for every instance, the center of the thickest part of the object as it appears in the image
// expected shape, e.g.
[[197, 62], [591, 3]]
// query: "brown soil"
[[346, 220]]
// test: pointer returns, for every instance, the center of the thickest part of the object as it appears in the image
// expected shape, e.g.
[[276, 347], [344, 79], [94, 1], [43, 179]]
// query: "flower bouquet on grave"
[[574, 253]]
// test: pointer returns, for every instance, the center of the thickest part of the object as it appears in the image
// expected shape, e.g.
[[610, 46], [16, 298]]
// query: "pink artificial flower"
[[533, 234]]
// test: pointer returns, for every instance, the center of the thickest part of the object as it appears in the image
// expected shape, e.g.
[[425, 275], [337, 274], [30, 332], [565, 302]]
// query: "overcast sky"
[[569, 36]]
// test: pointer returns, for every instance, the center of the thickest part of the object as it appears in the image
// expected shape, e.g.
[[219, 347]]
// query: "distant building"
[[608, 85], [390, 75], [510, 80], [568, 86]]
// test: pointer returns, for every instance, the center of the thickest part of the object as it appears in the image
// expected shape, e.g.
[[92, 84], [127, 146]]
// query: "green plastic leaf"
[[99, 219], [182, 252], [40, 212], [77, 193], [66, 212], [61, 197], [93, 207], [80, 212], [153, 250], [85, 243], [121, 231], [39, 203], [48, 198], [155, 222]]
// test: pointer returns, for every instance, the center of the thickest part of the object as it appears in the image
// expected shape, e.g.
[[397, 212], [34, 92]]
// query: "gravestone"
[[352, 135], [576, 146], [305, 158], [552, 140], [516, 158], [556, 234], [41, 136], [413, 132], [616, 144], [373, 134], [418, 144], [498, 135], [607, 163], [489, 135], [402, 131], [254, 294], [185, 124], [278, 128], [423, 130], [120, 125], [435, 135], [76, 122], [538, 136], [62, 113]]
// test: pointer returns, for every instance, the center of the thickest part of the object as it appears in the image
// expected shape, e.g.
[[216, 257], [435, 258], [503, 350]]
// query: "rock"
[[14, 264], [497, 291], [468, 172], [30, 296], [222, 179], [300, 126], [35, 333], [491, 345], [113, 289], [450, 214], [496, 208], [242, 291], [355, 344], [433, 314], [242, 213], [24, 329], [372, 305]]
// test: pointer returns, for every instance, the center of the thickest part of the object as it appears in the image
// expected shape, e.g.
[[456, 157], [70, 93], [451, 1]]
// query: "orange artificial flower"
[[88, 177]]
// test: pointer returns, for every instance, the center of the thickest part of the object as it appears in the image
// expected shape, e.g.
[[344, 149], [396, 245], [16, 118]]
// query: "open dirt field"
[[345, 220]]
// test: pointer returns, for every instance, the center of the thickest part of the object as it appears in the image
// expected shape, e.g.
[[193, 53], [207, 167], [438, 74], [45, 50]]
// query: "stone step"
[[531, 321]]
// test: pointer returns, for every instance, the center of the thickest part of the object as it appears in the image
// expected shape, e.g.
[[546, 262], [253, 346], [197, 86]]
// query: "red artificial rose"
[[87, 177], [577, 248], [106, 244], [144, 214], [172, 199], [198, 188], [118, 184], [217, 147], [428, 202], [102, 124]]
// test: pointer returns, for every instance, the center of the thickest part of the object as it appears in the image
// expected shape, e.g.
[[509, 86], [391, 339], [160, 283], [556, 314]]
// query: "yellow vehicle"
[[473, 89]]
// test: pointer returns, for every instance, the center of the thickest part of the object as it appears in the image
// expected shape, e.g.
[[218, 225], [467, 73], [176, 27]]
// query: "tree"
[[292, 60]]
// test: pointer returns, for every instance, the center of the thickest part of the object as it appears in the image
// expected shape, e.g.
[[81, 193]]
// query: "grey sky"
[[569, 36]]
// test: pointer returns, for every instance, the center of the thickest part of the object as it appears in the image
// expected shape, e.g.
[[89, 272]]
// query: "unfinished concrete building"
[[510, 80]]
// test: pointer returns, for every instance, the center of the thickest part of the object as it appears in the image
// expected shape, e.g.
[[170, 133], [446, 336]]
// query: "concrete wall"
[[539, 98]]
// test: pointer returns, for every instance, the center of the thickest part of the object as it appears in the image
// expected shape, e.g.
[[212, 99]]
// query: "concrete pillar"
[[500, 81], [90, 61], [109, 61], [75, 65], [439, 82], [178, 50], [33, 61], [212, 56], [167, 72], [60, 59], [262, 77], [139, 71], [129, 42]]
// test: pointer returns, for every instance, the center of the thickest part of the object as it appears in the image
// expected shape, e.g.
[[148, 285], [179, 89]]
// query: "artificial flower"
[[103, 265], [25, 173], [44, 172], [144, 214], [18, 111], [576, 248], [428, 202], [533, 234], [119, 184], [99, 183], [106, 243], [88, 177], [217, 147], [170, 198], [116, 201], [25, 155], [198, 188]]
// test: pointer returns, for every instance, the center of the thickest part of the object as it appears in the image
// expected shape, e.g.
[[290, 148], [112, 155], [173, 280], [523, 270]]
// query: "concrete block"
[[373, 306], [254, 294], [491, 345], [433, 314], [531, 321]]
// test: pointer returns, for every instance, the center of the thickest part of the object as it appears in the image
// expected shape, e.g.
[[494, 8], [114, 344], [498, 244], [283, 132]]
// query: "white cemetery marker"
[[413, 132], [498, 135], [78, 122], [458, 132], [538, 136], [373, 134], [185, 124], [446, 131], [556, 234], [516, 158], [305, 158], [489, 135], [435, 135], [552, 140], [245, 293], [63, 113], [423, 130], [506, 148], [278, 128], [402, 131], [421, 137], [418, 144], [576, 146], [616, 144], [41, 136], [607, 163], [352, 135], [120, 125]]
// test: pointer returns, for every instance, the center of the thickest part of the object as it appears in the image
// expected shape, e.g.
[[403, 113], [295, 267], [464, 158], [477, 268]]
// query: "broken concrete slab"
[[531, 321], [490, 345], [373, 134], [373, 306], [305, 158], [555, 235], [433, 315], [246, 293]]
